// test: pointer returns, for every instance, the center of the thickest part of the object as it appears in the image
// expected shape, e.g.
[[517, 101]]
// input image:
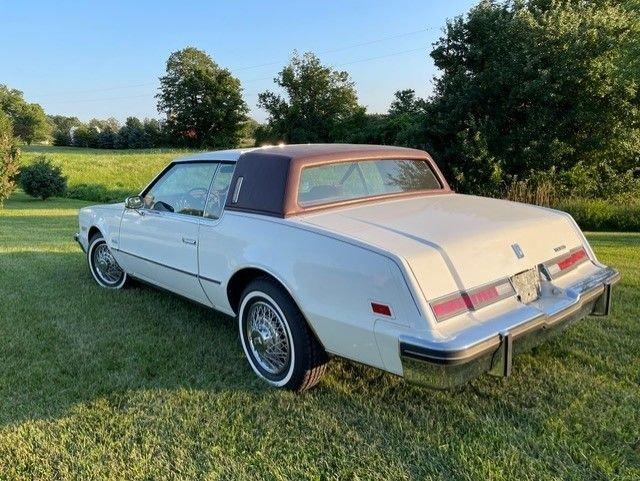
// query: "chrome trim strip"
[[169, 267], [236, 192], [209, 280]]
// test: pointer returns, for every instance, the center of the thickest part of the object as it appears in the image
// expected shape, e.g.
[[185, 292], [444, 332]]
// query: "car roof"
[[266, 179], [298, 151]]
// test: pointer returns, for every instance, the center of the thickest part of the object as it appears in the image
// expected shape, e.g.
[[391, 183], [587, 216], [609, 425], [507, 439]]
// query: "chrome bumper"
[[76, 237], [490, 347]]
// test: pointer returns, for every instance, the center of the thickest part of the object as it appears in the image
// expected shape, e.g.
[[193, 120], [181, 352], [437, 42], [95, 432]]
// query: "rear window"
[[328, 183]]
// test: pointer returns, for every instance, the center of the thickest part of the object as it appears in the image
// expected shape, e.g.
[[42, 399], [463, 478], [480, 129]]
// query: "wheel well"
[[93, 231], [240, 280]]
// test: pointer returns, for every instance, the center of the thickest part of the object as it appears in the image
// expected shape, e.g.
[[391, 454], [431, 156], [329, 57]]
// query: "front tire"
[[103, 265], [275, 337]]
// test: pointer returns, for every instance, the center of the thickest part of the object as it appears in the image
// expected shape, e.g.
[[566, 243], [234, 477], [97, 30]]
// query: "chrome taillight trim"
[[468, 301], [550, 273]]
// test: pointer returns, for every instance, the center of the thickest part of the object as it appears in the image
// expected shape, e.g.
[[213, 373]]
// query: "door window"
[[182, 189], [218, 192]]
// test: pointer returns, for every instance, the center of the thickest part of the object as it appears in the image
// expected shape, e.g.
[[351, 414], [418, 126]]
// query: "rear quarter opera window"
[[328, 183]]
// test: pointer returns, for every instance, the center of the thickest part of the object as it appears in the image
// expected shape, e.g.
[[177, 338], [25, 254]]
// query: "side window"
[[218, 192], [182, 189]]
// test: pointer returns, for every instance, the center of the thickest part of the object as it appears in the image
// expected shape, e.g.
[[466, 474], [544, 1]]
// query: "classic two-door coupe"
[[357, 251]]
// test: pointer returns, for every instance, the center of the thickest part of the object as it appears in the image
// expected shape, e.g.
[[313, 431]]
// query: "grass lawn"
[[101, 174], [140, 384]]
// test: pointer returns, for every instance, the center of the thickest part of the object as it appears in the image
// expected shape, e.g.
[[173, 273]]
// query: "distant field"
[[104, 175]]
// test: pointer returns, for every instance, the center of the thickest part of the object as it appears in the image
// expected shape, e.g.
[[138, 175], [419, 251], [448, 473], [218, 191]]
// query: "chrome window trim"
[[236, 190], [166, 170], [210, 220]]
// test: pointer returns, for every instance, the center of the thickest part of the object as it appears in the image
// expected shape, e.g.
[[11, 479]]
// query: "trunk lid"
[[454, 242]]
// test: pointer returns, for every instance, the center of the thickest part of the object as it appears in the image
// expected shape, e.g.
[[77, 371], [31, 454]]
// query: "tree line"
[[533, 91]]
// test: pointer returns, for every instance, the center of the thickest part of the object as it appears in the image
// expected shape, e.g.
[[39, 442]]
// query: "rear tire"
[[275, 337], [103, 265]]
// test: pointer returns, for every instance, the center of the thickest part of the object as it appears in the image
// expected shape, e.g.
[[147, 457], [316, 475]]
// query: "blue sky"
[[103, 59]]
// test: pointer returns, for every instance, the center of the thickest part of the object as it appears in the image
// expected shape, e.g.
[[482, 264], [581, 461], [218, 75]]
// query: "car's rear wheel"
[[280, 347], [103, 265]]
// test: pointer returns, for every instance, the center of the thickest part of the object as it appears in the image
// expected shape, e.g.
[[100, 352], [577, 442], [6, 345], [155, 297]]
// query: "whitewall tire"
[[103, 265], [275, 337]]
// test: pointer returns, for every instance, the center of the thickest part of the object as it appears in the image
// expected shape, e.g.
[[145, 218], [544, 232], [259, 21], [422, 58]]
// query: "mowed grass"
[[140, 384], [101, 174]]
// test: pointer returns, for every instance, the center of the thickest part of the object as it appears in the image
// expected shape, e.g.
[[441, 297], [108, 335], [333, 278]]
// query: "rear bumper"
[[490, 347]]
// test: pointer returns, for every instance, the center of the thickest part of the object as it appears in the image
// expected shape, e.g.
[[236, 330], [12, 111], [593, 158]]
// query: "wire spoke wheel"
[[267, 336], [106, 266], [275, 337]]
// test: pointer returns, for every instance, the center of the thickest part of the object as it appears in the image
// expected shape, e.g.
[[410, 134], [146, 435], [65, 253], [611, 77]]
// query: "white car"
[[357, 251]]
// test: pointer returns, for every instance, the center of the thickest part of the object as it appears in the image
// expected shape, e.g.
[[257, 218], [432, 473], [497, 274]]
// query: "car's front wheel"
[[104, 267], [276, 339]]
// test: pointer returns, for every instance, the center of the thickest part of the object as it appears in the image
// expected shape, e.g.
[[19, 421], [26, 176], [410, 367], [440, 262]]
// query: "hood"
[[453, 242]]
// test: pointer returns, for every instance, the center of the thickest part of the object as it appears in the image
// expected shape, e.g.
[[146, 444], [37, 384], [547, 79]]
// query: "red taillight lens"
[[460, 302], [450, 307], [381, 309], [563, 264]]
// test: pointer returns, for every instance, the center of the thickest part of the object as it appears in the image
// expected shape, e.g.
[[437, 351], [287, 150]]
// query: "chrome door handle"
[[186, 240]]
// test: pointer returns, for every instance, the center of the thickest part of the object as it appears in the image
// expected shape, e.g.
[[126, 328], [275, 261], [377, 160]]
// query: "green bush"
[[43, 179], [8, 158], [603, 215]]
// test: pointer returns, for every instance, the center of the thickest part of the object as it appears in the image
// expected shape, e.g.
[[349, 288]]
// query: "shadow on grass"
[[65, 340]]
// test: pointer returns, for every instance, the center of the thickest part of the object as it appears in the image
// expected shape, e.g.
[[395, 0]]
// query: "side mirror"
[[134, 202]]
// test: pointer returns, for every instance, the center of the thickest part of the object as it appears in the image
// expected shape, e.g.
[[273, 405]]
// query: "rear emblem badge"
[[518, 250]]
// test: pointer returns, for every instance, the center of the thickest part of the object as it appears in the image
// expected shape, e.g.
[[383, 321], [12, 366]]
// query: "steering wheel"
[[198, 193]]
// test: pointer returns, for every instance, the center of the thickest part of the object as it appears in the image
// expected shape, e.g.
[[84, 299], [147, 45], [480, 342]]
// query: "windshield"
[[327, 183]]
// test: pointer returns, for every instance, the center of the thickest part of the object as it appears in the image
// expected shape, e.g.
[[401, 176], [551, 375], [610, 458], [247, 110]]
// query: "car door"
[[159, 242]]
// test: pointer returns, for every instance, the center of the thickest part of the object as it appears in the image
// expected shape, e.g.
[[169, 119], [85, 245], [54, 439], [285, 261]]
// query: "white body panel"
[[332, 281], [455, 242], [161, 248], [334, 263]]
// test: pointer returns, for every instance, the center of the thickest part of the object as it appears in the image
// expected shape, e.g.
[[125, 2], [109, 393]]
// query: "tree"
[[107, 138], [154, 132], [103, 134], [8, 158], [202, 101], [532, 85], [406, 120], [132, 135], [62, 129], [319, 105], [85, 136], [249, 128], [29, 121]]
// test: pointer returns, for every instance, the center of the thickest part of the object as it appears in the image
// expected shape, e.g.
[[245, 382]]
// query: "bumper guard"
[[446, 365]]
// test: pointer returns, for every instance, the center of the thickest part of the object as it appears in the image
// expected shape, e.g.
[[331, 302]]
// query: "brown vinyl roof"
[[271, 175]]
